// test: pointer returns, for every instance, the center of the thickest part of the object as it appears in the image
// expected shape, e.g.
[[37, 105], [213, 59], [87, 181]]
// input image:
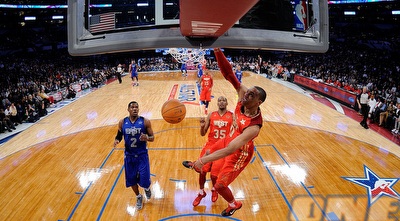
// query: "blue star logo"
[[376, 186]]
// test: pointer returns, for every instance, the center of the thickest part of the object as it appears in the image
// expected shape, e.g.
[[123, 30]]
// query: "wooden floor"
[[311, 162]]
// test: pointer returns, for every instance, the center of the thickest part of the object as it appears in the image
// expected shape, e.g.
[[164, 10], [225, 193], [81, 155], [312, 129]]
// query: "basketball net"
[[187, 55]]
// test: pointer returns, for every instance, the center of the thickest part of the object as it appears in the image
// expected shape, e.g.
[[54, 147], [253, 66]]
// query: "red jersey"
[[206, 81], [219, 126], [243, 121], [236, 162], [337, 83]]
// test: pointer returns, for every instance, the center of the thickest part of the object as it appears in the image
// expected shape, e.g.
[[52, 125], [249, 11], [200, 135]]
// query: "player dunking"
[[238, 147], [219, 122], [133, 70], [206, 84]]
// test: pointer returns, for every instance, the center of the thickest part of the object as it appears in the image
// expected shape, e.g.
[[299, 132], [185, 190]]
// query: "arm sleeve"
[[119, 136], [226, 68]]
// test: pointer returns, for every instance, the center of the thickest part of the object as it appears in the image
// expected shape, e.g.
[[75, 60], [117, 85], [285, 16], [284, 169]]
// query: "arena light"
[[356, 1], [349, 13], [142, 4], [30, 18], [33, 6], [396, 12], [101, 5], [8, 6], [51, 6], [57, 17]]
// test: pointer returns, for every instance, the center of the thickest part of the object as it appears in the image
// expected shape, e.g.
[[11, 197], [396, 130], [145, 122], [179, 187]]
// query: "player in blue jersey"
[[199, 72], [136, 131], [133, 70], [239, 73], [184, 70]]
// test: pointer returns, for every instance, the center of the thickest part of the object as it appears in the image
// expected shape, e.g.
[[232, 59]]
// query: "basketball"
[[173, 111]]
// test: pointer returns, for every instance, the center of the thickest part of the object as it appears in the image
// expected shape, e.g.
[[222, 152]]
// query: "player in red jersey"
[[206, 84], [219, 122], [238, 147]]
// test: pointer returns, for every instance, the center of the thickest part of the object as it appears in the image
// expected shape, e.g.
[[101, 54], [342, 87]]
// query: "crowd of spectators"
[[27, 81], [348, 66]]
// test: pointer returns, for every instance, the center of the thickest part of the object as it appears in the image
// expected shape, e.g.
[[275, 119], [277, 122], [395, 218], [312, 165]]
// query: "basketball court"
[[311, 162]]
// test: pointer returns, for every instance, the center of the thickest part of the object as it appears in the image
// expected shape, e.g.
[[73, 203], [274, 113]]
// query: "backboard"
[[99, 27]]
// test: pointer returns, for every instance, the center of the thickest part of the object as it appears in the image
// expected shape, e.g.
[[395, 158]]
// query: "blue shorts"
[[199, 73], [137, 171]]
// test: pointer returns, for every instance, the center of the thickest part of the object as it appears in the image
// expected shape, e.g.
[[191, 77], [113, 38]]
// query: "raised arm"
[[226, 70]]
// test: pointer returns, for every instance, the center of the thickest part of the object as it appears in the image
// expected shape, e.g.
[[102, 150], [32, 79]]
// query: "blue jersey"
[[239, 75], [132, 132], [183, 67], [133, 70], [199, 70]]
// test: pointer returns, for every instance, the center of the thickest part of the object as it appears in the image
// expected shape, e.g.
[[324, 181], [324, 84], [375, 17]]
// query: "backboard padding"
[[166, 34]]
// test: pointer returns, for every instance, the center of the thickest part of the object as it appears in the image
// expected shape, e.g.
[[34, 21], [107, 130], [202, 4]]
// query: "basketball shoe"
[[187, 164], [190, 165], [198, 199], [139, 202], [148, 193], [231, 210]]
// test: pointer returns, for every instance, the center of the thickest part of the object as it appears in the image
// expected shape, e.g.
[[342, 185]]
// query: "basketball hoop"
[[184, 55]]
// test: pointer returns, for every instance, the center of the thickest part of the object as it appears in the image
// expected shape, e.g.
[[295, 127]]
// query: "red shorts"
[[215, 166], [233, 164], [205, 94], [212, 167]]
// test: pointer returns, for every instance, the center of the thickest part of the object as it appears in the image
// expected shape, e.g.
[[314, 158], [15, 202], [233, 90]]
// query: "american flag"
[[102, 22]]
